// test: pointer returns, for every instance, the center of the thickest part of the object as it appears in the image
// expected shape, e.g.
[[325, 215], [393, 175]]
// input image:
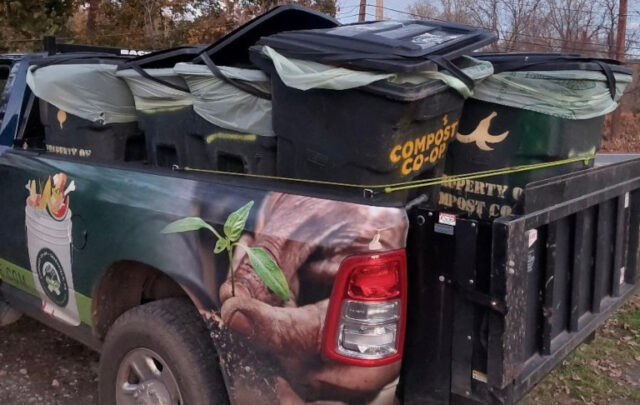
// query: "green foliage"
[[24, 20], [261, 262], [187, 224], [268, 271], [234, 225], [221, 245], [135, 24]]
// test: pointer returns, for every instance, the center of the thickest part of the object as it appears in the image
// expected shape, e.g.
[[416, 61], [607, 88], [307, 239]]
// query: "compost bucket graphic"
[[48, 223]]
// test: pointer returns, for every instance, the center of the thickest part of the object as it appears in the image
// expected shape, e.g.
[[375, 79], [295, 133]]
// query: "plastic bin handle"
[[146, 75], [455, 71], [611, 78], [233, 82]]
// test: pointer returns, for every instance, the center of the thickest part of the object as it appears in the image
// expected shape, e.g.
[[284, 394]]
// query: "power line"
[[553, 8], [349, 16], [353, 8], [511, 32]]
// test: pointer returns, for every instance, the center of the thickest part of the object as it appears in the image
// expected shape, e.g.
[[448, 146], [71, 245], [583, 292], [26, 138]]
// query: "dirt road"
[[40, 366]]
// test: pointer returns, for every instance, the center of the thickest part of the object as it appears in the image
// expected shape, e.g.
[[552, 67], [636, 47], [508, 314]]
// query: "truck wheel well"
[[125, 285]]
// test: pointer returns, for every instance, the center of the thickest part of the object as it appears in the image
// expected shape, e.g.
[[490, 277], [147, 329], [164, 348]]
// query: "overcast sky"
[[349, 9]]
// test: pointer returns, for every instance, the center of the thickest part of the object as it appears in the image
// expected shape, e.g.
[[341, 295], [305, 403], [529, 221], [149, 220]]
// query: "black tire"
[[174, 330]]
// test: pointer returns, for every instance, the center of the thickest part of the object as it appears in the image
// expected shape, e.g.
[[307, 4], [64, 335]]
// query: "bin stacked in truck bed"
[[368, 104], [536, 109], [371, 106], [87, 111]]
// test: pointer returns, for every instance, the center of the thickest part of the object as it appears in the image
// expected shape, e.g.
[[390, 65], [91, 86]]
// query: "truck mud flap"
[[495, 306]]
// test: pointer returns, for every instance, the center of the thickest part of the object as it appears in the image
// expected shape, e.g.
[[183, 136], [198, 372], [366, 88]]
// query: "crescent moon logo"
[[481, 135]]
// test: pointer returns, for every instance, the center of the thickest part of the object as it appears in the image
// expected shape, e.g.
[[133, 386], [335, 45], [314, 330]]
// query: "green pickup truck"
[[206, 288]]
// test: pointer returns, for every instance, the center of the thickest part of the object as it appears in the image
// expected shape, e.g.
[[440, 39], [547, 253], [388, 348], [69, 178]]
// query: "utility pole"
[[620, 42], [622, 30], [363, 11], [379, 9]]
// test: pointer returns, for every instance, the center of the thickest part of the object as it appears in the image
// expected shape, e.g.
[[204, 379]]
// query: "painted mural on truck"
[[261, 266], [270, 327]]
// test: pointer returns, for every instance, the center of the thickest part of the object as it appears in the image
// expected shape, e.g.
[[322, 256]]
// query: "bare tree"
[[519, 19], [569, 26], [578, 25]]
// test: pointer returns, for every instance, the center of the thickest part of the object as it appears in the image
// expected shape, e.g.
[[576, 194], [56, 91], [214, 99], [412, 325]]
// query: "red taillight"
[[366, 317], [375, 282]]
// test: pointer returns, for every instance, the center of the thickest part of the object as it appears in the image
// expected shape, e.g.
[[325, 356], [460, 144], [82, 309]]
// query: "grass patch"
[[604, 372]]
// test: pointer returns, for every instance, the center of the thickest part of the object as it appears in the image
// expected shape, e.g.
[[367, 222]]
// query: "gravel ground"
[[43, 367]]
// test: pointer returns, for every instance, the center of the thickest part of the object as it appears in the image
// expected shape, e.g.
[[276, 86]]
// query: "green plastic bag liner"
[[537, 109]]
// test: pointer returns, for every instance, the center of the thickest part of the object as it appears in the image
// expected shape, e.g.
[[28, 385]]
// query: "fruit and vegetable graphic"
[[54, 197], [49, 243]]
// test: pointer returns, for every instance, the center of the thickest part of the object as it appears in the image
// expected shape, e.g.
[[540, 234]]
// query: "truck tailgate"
[[494, 307]]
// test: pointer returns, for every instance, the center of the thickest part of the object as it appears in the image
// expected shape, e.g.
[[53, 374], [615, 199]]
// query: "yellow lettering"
[[407, 150], [430, 138], [439, 136], [441, 149], [433, 156], [406, 167], [447, 132], [417, 162], [394, 156], [454, 128], [420, 144]]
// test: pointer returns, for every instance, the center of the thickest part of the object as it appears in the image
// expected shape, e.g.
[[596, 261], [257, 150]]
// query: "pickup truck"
[[201, 288]]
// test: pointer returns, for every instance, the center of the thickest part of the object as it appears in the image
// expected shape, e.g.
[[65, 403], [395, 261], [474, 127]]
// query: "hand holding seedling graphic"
[[264, 266], [308, 238]]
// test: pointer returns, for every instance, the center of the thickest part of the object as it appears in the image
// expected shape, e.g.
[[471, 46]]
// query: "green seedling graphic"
[[264, 266]]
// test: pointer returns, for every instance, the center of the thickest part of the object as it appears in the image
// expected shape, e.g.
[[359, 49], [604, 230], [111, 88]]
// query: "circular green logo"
[[52, 278]]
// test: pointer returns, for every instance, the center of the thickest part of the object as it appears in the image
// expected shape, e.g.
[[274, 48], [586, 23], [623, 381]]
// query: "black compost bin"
[[165, 108], [231, 147], [493, 135], [232, 116], [86, 84], [234, 151], [381, 133]]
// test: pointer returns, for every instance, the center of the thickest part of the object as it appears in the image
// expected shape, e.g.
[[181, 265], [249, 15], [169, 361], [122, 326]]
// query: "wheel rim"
[[145, 379]]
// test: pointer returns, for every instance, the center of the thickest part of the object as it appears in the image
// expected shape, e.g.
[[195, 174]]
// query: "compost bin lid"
[[508, 62], [233, 48], [388, 46], [166, 58]]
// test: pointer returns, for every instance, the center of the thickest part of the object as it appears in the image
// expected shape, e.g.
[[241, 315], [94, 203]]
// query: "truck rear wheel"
[[160, 353]]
